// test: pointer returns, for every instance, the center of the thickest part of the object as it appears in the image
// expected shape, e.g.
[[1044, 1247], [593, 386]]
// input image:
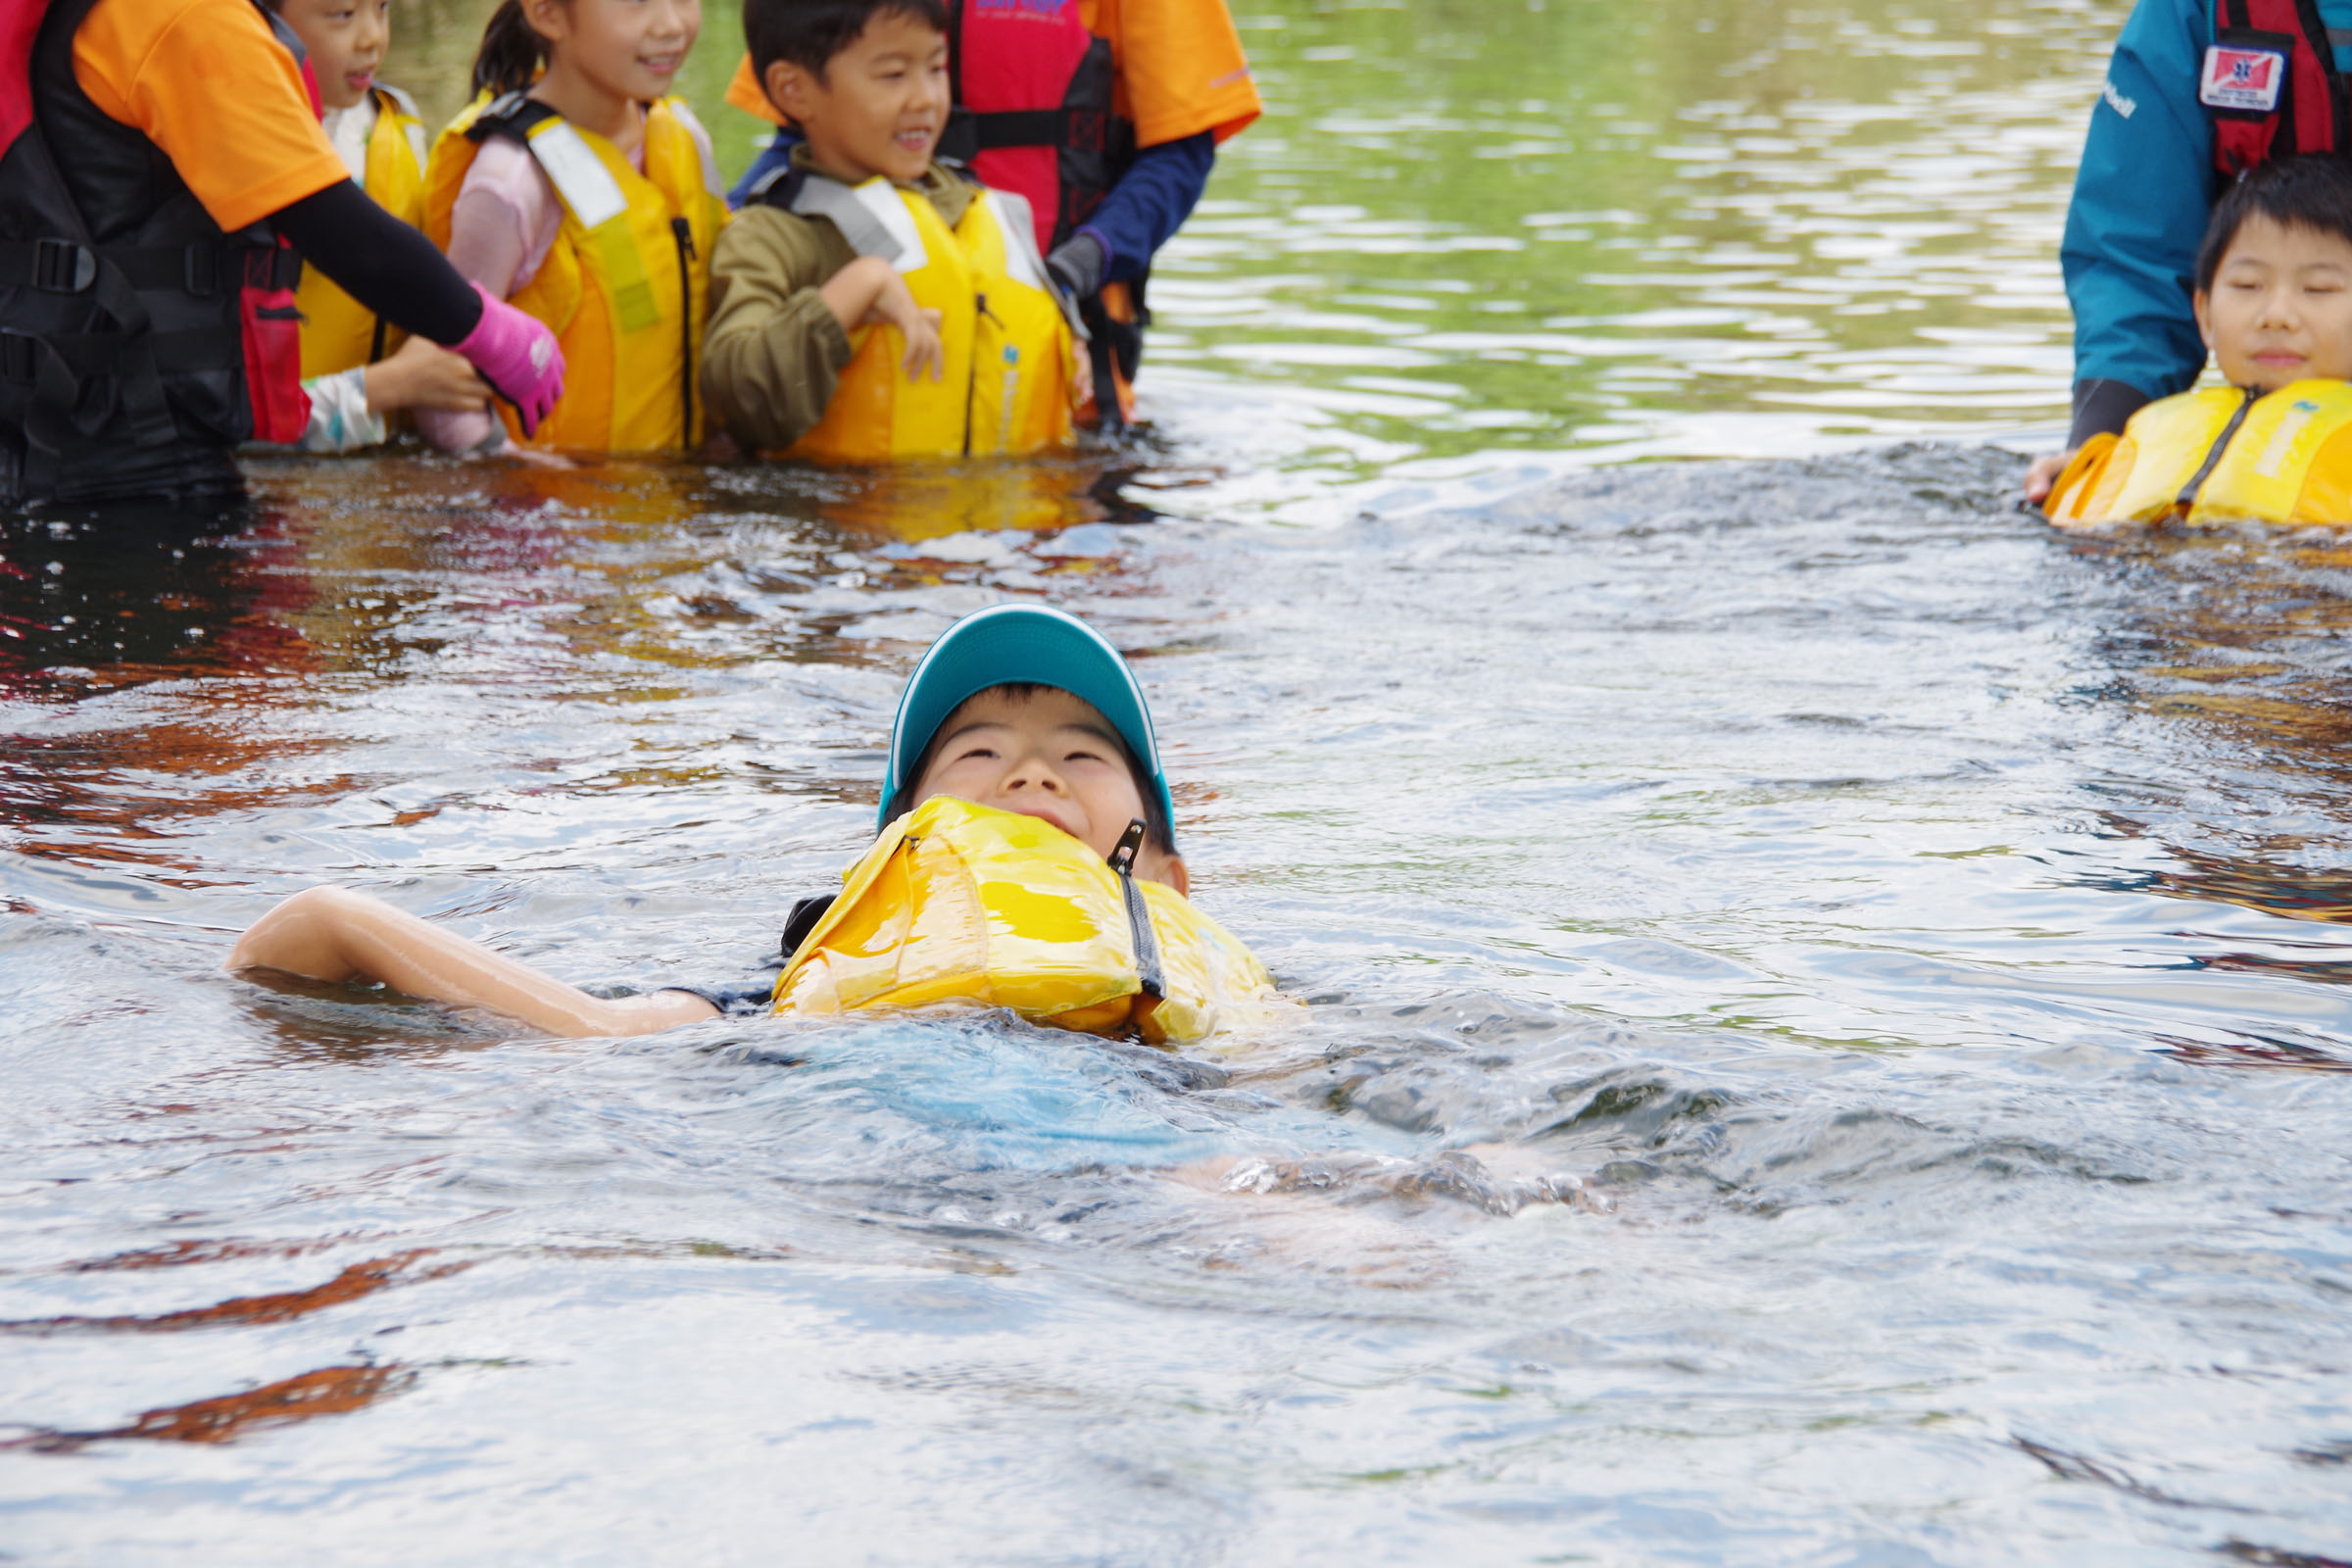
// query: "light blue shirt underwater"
[[910, 1097], [2142, 194]]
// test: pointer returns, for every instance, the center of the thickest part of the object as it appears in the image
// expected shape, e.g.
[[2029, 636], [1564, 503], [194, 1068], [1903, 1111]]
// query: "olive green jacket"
[[774, 352]]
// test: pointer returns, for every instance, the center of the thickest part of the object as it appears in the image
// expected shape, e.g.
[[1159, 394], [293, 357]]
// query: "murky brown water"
[[1924, 934]]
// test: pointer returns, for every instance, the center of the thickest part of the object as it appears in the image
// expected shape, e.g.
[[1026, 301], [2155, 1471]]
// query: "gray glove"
[[1077, 264]]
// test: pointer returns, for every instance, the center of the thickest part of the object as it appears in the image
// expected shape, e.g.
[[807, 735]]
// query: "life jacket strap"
[[206, 269], [970, 132], [512, 115], [52, 266]]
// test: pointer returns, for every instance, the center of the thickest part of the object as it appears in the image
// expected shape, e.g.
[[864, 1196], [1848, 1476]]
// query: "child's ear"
[[787, 86], [1170, 871], [549, 19], [2201, 304]]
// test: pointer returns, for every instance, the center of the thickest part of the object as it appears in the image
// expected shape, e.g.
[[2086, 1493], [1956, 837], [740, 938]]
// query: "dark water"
[[1922, 937]]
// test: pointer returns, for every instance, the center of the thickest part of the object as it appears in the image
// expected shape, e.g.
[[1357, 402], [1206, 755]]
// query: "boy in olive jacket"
[[866, 82]]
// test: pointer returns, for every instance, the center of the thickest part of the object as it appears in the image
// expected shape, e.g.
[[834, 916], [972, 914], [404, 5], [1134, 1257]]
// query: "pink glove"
[[517, 356]]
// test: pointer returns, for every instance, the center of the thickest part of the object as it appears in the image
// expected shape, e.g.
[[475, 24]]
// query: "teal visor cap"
[[1025, 643]]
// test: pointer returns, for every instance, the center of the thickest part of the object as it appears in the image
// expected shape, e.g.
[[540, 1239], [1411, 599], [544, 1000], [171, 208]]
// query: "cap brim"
[[1026, 643]]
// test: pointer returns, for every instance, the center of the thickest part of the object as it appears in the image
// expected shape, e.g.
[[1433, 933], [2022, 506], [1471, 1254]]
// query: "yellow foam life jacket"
[[2216, 454], [626, 285], [957, 903], [338, 332], [1010, 363]]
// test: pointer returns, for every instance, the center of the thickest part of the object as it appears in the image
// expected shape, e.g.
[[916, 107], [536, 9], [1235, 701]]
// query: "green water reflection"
[[1620, 226]]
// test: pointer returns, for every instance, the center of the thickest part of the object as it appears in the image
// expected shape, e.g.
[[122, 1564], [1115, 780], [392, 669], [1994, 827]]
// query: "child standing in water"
[[2274, 303], [357, 368], [576, 188], [868, 303], [1027, 860]]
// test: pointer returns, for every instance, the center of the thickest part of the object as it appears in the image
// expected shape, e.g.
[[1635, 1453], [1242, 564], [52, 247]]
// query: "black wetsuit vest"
[[138, 343]]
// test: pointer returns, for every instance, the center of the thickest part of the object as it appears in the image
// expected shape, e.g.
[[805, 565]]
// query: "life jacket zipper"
[[2187, 498], [1151, 976], [685, 231], [971, 381]]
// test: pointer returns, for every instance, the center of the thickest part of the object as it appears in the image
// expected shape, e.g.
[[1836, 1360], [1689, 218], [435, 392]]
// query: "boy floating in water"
[[2274, 302], [1027, 860]]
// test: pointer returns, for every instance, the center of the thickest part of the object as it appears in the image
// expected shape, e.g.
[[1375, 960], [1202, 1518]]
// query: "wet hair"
[[2312, 192], [511, 52], [1158, 832], [810, 33]]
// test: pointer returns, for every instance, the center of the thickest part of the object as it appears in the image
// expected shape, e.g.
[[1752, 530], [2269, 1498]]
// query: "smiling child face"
[[1047, 754], [630, 50], [345, 40], [879, 105], [2280, 309]]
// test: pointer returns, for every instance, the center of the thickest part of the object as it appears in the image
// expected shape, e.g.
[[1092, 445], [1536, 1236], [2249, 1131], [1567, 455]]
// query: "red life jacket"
[[1032, 90], [2271, 85], [138, 343]]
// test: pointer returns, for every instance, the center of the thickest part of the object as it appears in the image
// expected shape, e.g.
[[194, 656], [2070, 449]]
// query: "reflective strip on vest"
[[594, 198], [870, 216]]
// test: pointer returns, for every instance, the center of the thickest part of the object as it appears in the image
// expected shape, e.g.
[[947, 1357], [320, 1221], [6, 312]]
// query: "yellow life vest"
[[338, 332], [1010, 363], [2217, 454], [957, 903], [624, 286]]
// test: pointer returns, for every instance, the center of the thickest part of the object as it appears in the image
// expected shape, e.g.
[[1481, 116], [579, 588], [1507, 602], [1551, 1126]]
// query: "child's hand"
[[422, 374], [2044, 473], [894, 305]]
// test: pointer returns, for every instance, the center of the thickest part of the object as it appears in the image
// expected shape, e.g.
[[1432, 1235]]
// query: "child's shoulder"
[[786, 249], [800, 203]]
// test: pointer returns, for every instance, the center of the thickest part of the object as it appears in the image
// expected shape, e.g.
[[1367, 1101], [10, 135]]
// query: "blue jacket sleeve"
[[1150, 203], [775, 155], [2141, 197]]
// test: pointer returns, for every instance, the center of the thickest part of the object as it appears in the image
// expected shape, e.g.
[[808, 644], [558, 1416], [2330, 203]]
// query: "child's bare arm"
[[335, 934]]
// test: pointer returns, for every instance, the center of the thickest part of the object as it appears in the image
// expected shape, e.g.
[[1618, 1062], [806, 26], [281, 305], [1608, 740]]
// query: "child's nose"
[[1035, 773]]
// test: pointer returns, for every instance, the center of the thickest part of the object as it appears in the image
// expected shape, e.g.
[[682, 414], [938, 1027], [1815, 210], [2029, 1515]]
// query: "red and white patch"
[[2237, 78]]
